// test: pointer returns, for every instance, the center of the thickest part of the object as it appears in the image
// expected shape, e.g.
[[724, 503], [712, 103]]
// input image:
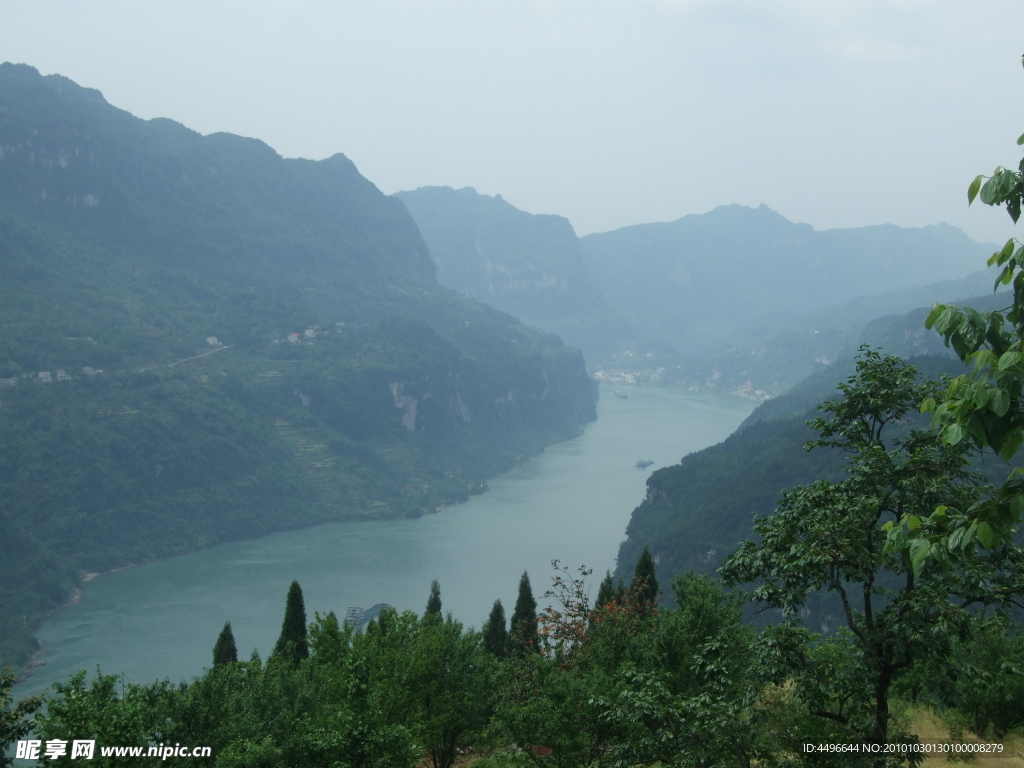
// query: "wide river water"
[[571, 502]]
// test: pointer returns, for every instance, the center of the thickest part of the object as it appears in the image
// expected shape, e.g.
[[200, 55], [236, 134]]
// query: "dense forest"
[[202, 341]]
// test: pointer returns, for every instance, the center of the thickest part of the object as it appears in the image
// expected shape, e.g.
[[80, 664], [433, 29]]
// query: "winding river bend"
[[572, 503]]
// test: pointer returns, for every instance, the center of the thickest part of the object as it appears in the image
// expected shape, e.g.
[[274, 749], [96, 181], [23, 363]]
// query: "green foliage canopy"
[[899, 606], [985, 406]]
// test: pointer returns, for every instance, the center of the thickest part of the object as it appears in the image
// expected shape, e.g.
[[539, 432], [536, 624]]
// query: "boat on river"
[[644, 463], [621, 395]]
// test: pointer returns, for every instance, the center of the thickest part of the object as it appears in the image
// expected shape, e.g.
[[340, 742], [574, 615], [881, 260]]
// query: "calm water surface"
[[572, 503]]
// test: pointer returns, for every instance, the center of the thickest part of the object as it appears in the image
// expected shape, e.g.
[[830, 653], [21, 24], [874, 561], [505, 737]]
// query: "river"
[[571, 502]]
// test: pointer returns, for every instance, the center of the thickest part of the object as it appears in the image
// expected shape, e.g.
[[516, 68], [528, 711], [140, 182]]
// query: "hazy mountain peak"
[[674, 278]]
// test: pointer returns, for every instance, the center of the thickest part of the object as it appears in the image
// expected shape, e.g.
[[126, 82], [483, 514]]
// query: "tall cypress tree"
[[523, 632], [495, 635], [605, 592], [292, 645], [225, 652], [645, 583], [434, 601]]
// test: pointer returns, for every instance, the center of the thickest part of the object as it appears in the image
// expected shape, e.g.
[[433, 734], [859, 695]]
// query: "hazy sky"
[[836, 112]]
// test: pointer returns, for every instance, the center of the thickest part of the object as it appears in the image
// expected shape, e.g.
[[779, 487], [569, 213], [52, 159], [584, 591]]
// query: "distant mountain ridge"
[[528, 265], [674, 278], [344, 382], [735, 299]]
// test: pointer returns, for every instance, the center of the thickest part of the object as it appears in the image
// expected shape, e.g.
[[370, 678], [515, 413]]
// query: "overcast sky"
[[837, 113]]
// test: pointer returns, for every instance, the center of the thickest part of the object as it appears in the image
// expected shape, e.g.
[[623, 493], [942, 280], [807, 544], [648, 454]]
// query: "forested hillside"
[[530, 266], [201, 341], [697, 512]]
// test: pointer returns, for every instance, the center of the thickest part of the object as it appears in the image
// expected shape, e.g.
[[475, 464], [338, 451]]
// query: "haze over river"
[[572, 503]]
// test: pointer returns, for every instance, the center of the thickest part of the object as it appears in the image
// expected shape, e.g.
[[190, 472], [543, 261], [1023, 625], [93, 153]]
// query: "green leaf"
[[986, 536], [956, 538], [954, 433], [1007, 251], [1016, 505], [972, 190], [1009, 359], [1010, 446], [947, 319], [990, 190], [936, 311], [913, 522], [919, 551], [999, 402], [984, 357], [1020, 140], [1005, 277]]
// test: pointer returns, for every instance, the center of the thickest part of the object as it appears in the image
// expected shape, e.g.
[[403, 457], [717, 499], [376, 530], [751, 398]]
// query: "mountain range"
[[703, 280], [202, 341], [739, 299]]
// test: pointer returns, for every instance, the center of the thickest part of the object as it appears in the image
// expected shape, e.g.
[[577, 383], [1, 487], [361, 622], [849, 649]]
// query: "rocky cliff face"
[[527, 265]]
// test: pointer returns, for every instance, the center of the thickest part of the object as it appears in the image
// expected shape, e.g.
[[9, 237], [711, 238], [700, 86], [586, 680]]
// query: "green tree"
[[688, 695], [523, 626], [434, 601], [619, 685], [605, 591], [224, 651], [645, 583], [985, 406], [292, 645], [899, 607], [988, 678], [109, 711], [450, 684], [15, 721], [980, 684], [495, 634]]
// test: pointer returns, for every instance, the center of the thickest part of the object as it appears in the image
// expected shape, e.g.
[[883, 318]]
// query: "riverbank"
[[37, 659], [571, 502]]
